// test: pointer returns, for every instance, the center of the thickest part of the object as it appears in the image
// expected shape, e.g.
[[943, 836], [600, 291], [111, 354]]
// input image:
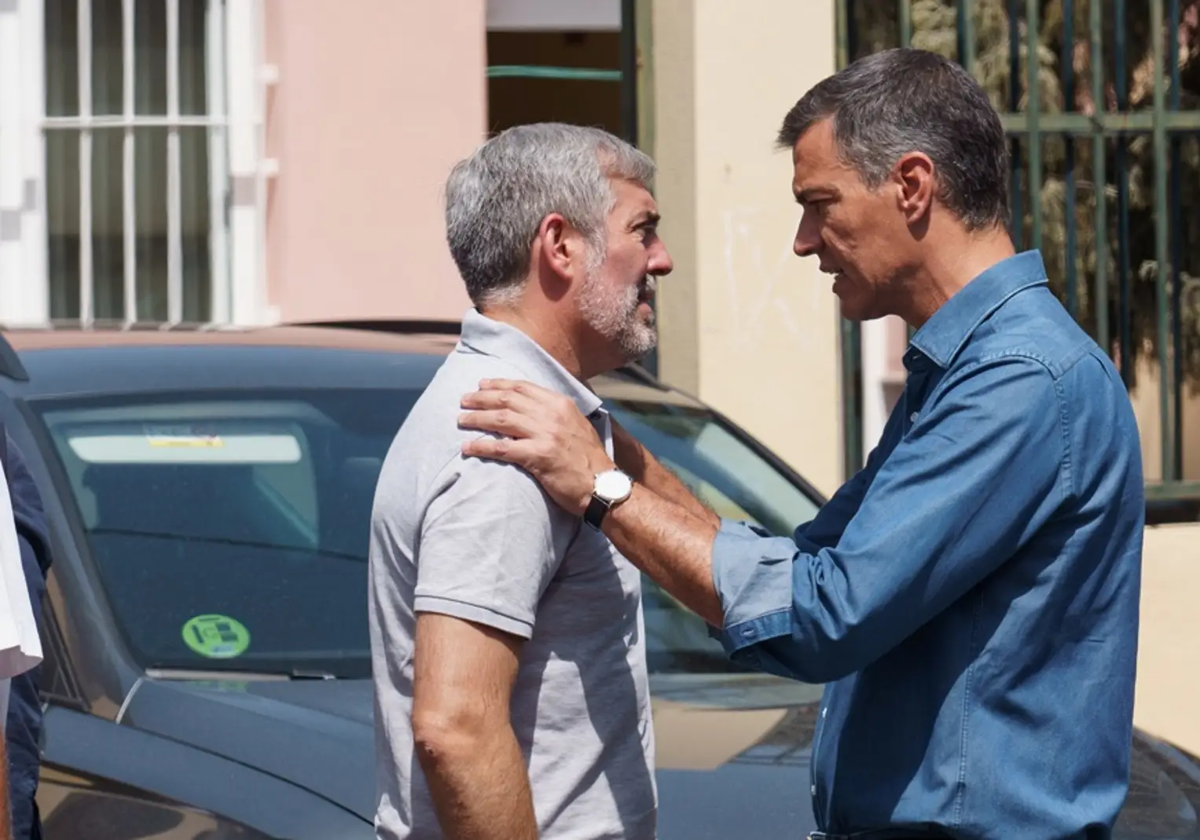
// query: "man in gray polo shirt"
[[508, 647]]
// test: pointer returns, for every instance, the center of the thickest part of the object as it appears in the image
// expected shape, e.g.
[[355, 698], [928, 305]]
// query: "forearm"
[[480, 786], [672, 545], [645, 469]]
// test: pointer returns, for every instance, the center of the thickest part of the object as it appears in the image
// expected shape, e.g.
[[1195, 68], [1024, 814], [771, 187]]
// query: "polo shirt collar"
[[490, 337]]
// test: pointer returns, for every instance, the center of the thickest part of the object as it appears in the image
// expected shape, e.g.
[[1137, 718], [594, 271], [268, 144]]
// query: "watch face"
[[613, 485]]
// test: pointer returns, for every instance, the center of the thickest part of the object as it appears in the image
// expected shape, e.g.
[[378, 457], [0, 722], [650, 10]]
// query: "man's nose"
[[660, 262], [808, 237]]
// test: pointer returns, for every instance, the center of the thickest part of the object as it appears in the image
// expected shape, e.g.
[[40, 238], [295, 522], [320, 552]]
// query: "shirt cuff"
[[752, 573]]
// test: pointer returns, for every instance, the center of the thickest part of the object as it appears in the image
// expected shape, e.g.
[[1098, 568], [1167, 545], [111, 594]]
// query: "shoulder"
[[1034, 331], [1009, 376], [494, 484], [470, 495], [1035, 327], [429, 435], [1038, 364]]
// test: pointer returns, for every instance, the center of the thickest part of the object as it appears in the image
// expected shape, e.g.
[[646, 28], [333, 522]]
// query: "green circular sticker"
[[216, 636]]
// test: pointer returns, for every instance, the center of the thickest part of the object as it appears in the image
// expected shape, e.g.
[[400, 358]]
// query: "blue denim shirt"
[[971, 596]]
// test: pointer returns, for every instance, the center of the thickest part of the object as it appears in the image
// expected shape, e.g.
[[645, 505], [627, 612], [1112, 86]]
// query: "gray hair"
[[904, 100], [497, 198]]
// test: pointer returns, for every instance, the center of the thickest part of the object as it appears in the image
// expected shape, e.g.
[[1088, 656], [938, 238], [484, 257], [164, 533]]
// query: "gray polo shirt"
[[481, 541]]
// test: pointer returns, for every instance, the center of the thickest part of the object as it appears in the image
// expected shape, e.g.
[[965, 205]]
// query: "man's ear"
[[554, 244], [914, 175]]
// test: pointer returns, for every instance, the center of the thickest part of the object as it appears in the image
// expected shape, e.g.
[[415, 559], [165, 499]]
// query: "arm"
[[826, 528], [645, 469], [823, 531], [462, 684], [671, 545], [662, 528], [490, 543], [661, 502], [980, 471], [975, 477], [670, 542]]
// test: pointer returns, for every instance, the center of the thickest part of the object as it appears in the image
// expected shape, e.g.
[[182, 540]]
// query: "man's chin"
[[640, 346], [853, 310]]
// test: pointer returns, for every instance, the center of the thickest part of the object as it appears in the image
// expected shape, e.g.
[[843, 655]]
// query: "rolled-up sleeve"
[[981, 470], [752, 573]]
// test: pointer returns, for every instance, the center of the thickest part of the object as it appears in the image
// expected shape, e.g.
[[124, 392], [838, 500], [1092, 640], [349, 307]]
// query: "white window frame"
[[236, 84], [554, 15]]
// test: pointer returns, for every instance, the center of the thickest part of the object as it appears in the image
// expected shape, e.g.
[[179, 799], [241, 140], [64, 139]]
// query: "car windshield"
[[230, 531]]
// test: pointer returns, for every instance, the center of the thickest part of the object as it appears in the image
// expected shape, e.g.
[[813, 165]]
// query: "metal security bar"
[[533, 71], [136, 140], [1105, 180]]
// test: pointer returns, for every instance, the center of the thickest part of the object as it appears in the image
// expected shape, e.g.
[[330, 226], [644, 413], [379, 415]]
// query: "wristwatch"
[[609, 489]]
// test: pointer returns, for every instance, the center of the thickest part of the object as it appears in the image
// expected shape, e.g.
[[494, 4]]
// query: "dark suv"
[[208, 494]]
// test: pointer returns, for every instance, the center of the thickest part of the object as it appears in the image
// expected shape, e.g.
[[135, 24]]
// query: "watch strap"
[[596, 509]]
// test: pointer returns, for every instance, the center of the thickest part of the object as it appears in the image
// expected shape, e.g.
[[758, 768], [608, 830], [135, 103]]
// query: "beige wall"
[[1149, 416], [745, 324], [375, 101], [1168, 686]]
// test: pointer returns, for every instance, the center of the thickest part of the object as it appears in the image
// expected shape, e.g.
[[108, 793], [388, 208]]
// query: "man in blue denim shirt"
[[970, 596]]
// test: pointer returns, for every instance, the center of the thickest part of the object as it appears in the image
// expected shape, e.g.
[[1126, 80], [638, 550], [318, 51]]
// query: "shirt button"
[[813, 790], [749, 632], [823, 713], [912, 418]]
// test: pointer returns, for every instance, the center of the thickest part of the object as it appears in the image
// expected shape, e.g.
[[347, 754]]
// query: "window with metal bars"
[[136, 160]]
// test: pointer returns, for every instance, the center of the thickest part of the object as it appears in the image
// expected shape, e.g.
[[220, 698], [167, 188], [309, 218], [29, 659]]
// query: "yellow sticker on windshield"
[[216, 636], [188, 436]]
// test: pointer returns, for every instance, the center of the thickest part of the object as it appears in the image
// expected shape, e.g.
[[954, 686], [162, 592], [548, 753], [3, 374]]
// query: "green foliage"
[[875, 25]]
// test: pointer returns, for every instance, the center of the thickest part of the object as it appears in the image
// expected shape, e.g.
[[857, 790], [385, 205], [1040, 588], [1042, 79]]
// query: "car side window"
[[56, 679]]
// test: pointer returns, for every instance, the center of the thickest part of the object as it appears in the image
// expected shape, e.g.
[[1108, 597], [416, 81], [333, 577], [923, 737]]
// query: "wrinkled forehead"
[[631, 198], [816, 162]]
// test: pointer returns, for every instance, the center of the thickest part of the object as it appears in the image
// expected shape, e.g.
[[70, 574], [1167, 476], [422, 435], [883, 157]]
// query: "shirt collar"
[[490, 337], [945, 334]]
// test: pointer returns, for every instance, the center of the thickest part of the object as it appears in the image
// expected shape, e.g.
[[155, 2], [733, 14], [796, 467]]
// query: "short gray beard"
[[616, 318]]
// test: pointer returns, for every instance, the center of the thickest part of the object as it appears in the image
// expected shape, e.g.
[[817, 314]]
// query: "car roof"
[[420, 338], [56, 360]]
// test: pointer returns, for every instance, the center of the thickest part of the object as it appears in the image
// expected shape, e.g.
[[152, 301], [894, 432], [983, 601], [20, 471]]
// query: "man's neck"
[[949, 269], [543, 332]]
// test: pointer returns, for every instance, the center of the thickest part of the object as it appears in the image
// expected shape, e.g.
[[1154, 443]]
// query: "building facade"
[[256, 161], [231, 161]]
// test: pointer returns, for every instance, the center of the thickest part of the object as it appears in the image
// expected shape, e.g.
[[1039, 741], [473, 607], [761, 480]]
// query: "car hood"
[[732, 750]]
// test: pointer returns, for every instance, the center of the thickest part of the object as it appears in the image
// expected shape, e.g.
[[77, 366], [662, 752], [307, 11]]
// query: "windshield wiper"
[[204, 675]]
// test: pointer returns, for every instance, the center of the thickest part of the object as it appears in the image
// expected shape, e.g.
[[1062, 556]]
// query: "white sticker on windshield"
[[185, 444]]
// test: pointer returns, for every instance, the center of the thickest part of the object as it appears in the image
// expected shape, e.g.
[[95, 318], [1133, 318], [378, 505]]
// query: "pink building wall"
[[375, 101]]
